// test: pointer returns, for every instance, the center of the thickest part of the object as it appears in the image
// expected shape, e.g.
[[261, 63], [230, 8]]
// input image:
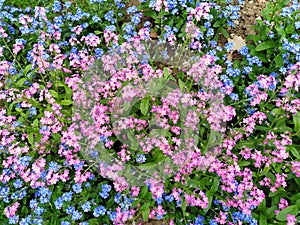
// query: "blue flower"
[[117, 198], [207, 24], [58, 21], [32, 111], [234, 97], [53, 166], [70, 209], [86, 207], [98, 52], [244, 50], [229, 46], [111, 28], [56, 6], [210, 32], [140, 158], [213, 222], [99, 211], [105, 191], [112, 216], [65, 222], [159, 200], [76, 215], [58, 203], [26, 221], [96, 1], [4, 192], [96, 19], [33, 203], [103, 139], [198, 220], [247, 69], [131, 10], [136, 19], [77, 188], [128, 28], [68, 4], [67, 196], [18, 183], [109, 16], [14, 220], [39, 211], [250, 111]]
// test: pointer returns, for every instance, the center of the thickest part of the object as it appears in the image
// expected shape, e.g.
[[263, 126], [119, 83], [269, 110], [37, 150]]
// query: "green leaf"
[[277, 111], [30, 138], [262, 128], [278, 60], [262, 206], [293, 210], [27, 68], [143, 192], [270, 212], [265, 45], [144, 106], [215, 185], [66, 102], [183, 204], [290, 29], [53, 93], [145, 211], [217, 24], [179, 24], [294, 151], [210, 199], [166, 72], [21, 82], [151, 14], [181, 85], [224, 32], [56, 136], [295, 197], [296, 119], [244, 163], [36, 123], [262, 219]]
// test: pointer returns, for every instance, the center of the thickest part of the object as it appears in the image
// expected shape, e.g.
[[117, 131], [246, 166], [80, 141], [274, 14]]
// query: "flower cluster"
[[99, 124]]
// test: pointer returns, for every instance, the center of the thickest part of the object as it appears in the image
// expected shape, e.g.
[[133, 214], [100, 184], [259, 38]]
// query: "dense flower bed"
[[97, 129]]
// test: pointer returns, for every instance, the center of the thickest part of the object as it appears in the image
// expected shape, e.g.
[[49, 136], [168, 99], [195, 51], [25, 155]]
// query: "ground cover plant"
[[121, 113]]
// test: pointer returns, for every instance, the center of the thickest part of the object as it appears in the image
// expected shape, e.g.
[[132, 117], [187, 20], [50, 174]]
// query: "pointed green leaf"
[[296, 119], [66, 102], [144, 106], [30, 138], [293, 210], [145, 211], [36, 123], [263, 219], [265, 45], [27, 68]]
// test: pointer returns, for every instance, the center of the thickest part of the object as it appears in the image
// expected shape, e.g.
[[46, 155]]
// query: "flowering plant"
[[99, 124]]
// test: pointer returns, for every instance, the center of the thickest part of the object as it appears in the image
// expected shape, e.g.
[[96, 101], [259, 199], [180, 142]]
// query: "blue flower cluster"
[[244, 218], [105, 189], [140, 158]]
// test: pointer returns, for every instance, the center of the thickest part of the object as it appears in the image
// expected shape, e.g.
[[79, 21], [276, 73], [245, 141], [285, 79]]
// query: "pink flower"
[[10, 211], [135, 191], [291, 219]]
